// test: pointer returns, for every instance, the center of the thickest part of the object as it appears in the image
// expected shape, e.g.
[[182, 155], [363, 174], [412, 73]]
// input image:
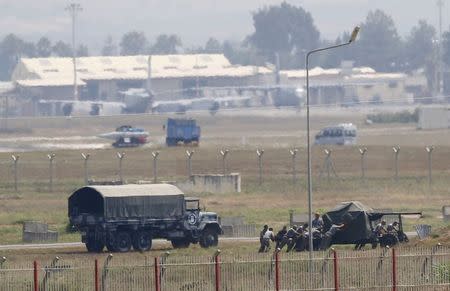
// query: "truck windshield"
[[192, 205]]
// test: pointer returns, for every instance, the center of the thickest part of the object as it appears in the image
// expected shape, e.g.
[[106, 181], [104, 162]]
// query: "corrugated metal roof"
[[48, 82], [59, 71], [6, 87], [318, 71], [136, 190]]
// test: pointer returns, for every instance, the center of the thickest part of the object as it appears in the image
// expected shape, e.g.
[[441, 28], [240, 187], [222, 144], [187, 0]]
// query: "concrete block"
[[34, 226], [34, 231], [232, 220], [230, 183], [446, 212]]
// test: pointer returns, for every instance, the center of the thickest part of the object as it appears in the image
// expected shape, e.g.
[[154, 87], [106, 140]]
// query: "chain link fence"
[[379, 269]]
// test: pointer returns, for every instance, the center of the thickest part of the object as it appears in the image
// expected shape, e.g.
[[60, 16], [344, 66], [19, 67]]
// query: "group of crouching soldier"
[[297, 237]]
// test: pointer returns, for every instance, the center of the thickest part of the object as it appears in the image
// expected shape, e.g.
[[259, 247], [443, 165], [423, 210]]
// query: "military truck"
[[124, 216], [182, 131]]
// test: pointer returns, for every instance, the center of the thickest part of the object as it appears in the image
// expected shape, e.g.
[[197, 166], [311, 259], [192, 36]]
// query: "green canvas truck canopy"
[[357, 218], [128, 201]]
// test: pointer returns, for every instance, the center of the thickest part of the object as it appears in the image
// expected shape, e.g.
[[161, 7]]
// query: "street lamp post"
[[352, 39]]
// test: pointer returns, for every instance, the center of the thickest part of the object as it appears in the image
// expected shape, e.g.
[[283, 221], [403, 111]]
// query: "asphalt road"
[[156, 242]]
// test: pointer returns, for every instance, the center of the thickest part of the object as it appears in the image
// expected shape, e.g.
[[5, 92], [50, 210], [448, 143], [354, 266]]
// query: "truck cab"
[[196, 220]]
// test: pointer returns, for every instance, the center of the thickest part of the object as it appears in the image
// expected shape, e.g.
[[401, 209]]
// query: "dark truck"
[[359, 223], [124, 216], [184, 131]]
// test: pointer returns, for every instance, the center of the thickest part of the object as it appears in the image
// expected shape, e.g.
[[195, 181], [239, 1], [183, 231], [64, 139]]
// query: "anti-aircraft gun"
[[359, 222]]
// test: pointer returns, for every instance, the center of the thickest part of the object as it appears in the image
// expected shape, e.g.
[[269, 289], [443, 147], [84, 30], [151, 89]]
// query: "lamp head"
[[354, 34]]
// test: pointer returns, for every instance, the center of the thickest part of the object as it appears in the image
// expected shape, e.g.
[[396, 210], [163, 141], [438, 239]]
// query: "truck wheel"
[[123, 242], [180, 243], [209, 238], [94, 246], [142, 241]]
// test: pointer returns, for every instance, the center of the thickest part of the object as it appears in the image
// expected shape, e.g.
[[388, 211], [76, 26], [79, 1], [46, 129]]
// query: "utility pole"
[[440, 4], [74, 9]]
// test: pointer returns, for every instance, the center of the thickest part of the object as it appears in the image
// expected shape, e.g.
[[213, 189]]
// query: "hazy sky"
[[195, 20]]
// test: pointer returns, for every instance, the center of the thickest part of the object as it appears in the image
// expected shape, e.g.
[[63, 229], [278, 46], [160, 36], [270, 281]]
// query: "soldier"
[[380, 229], [317, 221], [290, 238], [328, 236], [267, 237], [261, 236], [279, 237]]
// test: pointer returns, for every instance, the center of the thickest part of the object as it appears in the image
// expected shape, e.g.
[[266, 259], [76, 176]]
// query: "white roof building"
[[34, 72]]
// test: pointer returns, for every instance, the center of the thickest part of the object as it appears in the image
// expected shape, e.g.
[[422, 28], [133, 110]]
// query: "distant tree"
[[379, 45], [12, 48], [419, 45], [166, 44], [43, 47], [285, 29], [446, 46], [109, 47], [213, 46], [133, 43], [82, 51], [62, 49]]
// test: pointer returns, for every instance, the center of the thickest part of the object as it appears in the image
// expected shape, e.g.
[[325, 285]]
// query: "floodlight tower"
[[74, 9]]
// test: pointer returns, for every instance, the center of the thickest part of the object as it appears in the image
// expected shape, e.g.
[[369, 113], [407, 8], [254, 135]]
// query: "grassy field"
[[259, 204]]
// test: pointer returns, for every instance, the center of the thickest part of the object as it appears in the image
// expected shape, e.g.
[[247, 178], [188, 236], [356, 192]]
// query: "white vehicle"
[[341, 134]]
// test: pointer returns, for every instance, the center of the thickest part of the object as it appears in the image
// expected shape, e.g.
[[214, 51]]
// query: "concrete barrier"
[[446, 212], [230, 183], [34, 231]]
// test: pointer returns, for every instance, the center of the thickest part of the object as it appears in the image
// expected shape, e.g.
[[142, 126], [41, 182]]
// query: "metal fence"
[[338, 163], [380, 269]]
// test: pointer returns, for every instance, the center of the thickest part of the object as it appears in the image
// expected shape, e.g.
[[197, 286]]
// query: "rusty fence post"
[[335, 270], [35, 276], [96, 281], [217, 269], [157, 275], [277, 270], [394, 270]]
